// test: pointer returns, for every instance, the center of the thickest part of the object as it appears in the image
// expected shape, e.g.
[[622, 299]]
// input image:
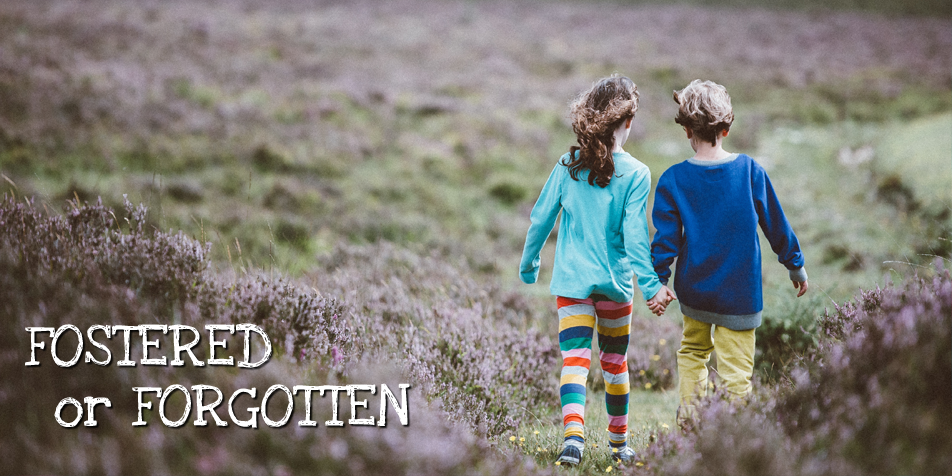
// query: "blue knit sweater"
[[707, 214]]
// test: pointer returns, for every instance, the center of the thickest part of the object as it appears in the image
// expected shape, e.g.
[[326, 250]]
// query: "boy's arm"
[[635, 227], [669, 237], [776, 228], [542, 220]]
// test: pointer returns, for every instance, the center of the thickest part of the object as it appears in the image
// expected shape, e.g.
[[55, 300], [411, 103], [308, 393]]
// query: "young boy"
[[706, 211]]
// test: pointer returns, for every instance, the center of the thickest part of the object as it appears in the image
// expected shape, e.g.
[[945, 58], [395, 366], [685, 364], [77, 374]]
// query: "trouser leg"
[[693, 356], [735, 359], [576, 326], [614, 328]]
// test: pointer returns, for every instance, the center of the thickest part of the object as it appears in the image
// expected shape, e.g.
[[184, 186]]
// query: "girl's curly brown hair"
[[596, 115]]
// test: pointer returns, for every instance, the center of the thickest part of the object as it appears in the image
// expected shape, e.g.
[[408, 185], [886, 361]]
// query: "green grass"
[[846, 188], [649, 412], [920, 152]]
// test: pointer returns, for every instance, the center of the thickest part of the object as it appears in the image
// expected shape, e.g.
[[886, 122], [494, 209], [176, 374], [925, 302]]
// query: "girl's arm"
[[635, 226], [542, 220], [668, 238]]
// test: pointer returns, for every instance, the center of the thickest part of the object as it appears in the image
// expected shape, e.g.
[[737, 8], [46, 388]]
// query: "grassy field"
[[651, 413], [388, 154]]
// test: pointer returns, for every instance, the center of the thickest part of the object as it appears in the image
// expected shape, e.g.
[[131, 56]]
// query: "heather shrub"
[[873, 398], [91, 243], [303, 325], [735, 439], [485, 375], [467, 342], [479, 367], [88, 247], [878, 392], [83, 269]]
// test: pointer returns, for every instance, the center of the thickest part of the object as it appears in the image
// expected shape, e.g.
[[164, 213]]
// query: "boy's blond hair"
[[704, 107]]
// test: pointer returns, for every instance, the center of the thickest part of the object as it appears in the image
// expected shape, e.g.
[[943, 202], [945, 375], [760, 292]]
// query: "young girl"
[[602, 246]]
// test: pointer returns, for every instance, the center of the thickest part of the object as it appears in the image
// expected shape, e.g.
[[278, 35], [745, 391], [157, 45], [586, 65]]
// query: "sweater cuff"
[[650, 290], [529, 277], [798, 275]]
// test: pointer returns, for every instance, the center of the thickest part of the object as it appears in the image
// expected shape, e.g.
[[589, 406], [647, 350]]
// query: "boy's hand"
[[801, 285], [659, 303], [671, 296]]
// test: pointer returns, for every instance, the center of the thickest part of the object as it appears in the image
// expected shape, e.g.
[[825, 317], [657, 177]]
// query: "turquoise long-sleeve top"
[[603, 236]]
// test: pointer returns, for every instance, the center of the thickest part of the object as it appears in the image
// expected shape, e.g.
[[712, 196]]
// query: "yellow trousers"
[[735, 359]]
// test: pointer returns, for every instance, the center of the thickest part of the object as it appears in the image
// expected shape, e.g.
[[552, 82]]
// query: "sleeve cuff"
[[530, 277], [649, 291], [798, 275]]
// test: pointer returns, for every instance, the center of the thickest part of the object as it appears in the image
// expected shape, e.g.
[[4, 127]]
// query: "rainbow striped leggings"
[[578, 319]]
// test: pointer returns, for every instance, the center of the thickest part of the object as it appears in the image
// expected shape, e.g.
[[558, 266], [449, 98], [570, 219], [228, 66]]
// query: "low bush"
[[877, 393], [728, 439], [466, 341], [91, 267], [873, 398]]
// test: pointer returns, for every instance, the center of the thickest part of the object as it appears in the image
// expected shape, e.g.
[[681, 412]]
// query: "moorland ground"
[[387, 153]]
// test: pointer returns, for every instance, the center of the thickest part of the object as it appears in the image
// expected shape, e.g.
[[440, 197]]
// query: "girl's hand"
[[659, 303], [656, 308]]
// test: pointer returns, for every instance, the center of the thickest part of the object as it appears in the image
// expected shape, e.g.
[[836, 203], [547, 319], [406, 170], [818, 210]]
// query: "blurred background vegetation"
[[282, 132]]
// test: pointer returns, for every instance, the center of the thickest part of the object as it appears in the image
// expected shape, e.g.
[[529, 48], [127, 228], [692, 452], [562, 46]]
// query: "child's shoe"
[[624, 455], [570, 456]]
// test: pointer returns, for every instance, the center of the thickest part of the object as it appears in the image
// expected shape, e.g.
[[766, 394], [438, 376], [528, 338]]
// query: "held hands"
[[659, 303], [802, 286], [661, 299]]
